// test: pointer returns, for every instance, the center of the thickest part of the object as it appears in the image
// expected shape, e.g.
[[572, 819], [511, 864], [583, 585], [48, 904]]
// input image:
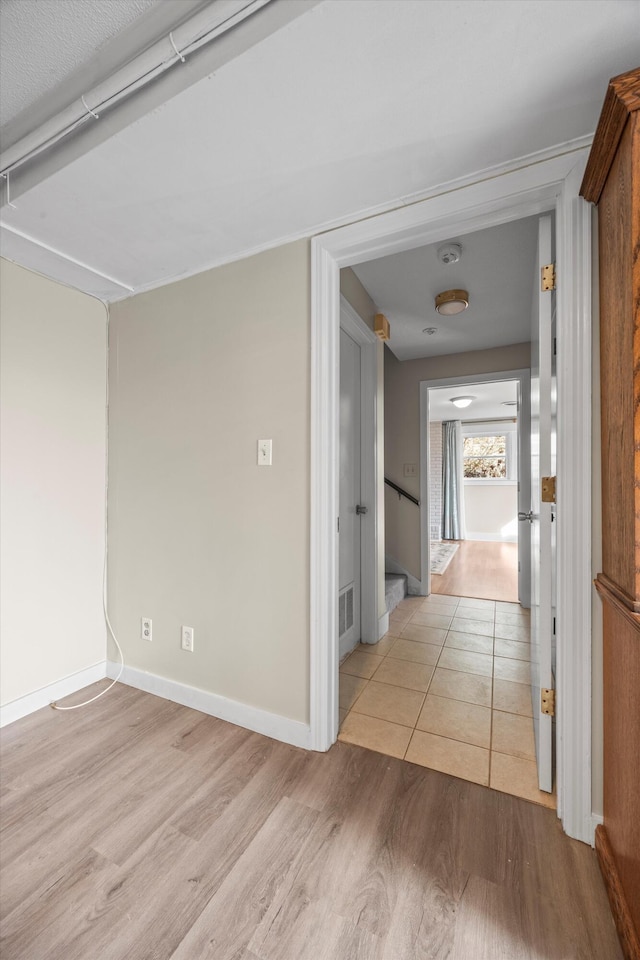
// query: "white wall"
[[353, 291], [402, 432], [52, 434], [198, 533], [491, 511]]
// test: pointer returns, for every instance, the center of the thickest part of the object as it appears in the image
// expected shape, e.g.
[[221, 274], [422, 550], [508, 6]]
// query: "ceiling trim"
[[489, 173], [60, 255], [353, 219]]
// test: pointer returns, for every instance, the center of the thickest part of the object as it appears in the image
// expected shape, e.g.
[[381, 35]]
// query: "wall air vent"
[[345, 610]]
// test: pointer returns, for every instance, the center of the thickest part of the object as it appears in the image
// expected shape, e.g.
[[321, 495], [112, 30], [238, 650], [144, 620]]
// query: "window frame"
[[507, 429]]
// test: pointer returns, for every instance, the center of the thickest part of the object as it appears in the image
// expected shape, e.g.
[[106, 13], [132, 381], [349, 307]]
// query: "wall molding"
[[574, 517], [242, 714], [23, 706], [251, 718], [383, 625]]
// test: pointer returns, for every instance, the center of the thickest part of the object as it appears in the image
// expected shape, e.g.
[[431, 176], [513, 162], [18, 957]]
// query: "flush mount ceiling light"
[[462, 401], [450, 302]]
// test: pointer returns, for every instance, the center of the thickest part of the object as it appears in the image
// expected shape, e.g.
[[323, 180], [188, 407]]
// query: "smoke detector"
[[450, 253]]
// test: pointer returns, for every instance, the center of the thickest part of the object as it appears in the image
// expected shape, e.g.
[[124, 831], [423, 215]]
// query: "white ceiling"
[[497, 268], [353, 106], [488, 403]]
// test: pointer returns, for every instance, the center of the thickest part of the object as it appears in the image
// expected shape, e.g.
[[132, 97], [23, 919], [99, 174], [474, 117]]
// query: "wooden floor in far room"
[[481, 569], [137, 828]]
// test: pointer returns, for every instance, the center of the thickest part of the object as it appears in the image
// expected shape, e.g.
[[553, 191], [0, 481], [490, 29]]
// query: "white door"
[[542, 519], [349, 523]]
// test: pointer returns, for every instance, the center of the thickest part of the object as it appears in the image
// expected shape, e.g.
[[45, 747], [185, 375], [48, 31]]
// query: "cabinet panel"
[[619, 231]]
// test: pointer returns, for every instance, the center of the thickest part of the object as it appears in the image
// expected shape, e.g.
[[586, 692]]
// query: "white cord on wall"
[[84, 703]]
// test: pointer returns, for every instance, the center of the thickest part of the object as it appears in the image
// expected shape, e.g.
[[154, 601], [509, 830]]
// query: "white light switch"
[[264, 453], [410, 469]]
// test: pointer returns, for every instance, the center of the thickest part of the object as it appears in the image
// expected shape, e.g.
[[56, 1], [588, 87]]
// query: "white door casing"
[[350, 496], [526, 187], [540, 514]]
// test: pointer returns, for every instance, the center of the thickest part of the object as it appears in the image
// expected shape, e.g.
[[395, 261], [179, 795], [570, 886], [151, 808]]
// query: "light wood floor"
[[481, 569], [137, 829]]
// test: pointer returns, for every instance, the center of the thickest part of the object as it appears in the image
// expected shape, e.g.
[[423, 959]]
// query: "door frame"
[[523, 379], [527, 187], [356, 328]]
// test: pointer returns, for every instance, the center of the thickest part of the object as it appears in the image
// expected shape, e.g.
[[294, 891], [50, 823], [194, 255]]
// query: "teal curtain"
[[453, 527]]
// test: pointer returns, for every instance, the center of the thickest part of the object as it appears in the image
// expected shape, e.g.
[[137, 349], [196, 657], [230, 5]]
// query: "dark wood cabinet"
[[612, 181]]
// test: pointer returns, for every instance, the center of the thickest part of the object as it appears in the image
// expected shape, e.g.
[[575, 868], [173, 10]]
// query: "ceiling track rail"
[[186, 39]]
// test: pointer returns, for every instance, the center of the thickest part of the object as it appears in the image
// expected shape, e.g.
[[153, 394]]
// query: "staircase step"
[[395, 589]]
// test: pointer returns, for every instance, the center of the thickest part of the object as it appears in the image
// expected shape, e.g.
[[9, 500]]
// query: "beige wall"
[[402, 432], [52, 381], [198, 533], [353, 291]]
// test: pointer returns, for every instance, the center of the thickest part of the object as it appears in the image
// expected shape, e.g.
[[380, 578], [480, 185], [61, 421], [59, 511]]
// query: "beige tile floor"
[[448, 687]]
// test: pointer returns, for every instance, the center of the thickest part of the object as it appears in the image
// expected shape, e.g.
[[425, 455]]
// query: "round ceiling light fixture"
[[450, 302], [462, 401]]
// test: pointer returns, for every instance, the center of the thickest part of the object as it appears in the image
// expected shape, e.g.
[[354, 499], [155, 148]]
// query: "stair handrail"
[[401, 492]]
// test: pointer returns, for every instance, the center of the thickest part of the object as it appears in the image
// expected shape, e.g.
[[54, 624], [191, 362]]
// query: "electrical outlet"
[[146, 629], [187, 639]]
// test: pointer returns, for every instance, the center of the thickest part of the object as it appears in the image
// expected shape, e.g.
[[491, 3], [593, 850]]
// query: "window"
[[485, 457], [490, 452]]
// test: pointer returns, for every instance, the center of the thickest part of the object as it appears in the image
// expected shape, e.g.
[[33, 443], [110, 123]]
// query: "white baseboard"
[[490, 537], [252, 718], [383, 627], [23, 706], [414, 586]]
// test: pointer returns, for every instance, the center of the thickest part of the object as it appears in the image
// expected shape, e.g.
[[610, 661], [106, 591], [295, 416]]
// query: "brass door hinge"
[[548, 489], [548, 702], [548, 279]]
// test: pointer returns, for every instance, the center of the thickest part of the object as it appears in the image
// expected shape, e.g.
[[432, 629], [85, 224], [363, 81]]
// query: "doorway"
[[357, 485], [486, 551], [476, 474], [519, 190]]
